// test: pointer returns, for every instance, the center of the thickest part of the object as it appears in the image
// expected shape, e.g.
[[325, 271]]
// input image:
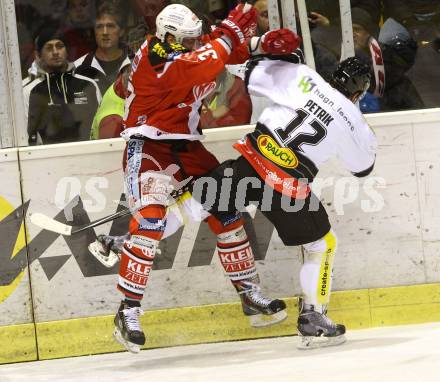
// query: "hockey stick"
[[45, 222]]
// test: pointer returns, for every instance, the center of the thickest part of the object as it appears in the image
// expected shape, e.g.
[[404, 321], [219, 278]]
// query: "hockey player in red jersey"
[[171, 75]]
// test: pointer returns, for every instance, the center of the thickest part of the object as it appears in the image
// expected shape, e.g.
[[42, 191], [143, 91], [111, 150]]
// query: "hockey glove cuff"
[[240, 24]]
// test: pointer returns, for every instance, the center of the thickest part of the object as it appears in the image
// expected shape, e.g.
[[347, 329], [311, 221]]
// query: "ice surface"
[[400, 353]]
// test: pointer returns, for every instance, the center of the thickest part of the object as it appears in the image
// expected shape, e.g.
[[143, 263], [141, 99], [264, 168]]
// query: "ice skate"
[[316, 330], [261, 311], [106, 249], [128, 331]]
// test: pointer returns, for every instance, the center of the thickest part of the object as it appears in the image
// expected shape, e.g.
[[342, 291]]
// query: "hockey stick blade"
[[47, 223]]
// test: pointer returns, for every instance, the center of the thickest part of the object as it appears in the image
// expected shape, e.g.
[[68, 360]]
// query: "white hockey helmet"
[[179, 21]]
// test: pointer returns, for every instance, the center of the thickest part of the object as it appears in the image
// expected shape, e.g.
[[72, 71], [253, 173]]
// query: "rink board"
[[396, 245], [225, 322], [17, 331], [214, 323], [392, 246]]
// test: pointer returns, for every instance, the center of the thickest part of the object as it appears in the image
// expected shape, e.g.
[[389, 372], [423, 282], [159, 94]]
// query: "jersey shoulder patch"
[[160, 52]]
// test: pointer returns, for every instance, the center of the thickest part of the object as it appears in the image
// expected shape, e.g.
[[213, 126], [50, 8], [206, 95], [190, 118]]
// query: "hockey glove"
[[276, 42], [240, 24]]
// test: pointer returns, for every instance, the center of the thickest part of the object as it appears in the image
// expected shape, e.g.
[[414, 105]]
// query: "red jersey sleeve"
[[200, 66]]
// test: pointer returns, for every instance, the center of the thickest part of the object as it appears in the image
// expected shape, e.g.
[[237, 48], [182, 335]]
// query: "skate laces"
[[321, 319], [131, 318], [258, 299], [328, 321], [253, 292]]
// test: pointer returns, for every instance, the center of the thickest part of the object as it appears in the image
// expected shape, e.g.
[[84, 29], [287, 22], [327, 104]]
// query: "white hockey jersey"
[[306, 123]]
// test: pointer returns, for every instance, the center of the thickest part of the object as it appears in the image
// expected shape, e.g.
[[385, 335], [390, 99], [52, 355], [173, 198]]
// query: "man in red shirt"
[[171, 75]]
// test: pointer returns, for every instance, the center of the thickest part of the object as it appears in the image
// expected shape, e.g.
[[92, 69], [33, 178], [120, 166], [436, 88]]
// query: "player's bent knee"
[[325, 245], [149, 221]]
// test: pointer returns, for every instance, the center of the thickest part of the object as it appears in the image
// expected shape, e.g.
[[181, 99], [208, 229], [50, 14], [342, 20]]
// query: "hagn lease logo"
[[306, 84]]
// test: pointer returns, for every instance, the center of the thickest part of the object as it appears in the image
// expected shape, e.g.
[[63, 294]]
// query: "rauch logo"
[[282, 156]]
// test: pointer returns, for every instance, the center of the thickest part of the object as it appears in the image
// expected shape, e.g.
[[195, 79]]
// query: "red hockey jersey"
[[167, 86]]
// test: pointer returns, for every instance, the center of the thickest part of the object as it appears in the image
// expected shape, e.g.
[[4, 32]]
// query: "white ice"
[[400, 353]]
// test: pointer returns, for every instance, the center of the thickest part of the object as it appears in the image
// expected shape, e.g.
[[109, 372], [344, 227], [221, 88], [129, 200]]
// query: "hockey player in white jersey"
[[308, 121]]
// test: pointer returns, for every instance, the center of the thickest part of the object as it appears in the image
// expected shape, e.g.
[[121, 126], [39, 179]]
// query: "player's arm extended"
[[204, 64], [201, 66], [275, 43]]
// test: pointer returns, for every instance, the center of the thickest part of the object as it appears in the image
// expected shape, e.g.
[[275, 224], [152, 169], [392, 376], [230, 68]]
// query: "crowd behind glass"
[[75, 59]]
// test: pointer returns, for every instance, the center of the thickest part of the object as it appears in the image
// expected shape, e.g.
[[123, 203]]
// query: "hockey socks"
[[136, 262], [238, 261], [316, 272], [236, 255]]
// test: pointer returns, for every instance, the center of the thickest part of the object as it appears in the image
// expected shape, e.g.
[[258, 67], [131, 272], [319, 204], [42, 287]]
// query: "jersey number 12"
[[288, 137]]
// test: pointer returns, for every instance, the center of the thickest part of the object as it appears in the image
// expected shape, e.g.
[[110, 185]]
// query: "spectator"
[[325, 30], [365, 32], [390, 59], [364, 29], [325, 25], [373, 7], [59, 105], [104, 64], [77, 28], [422, 20], [420, 17], [331, 12], [262, 17], [399, 54], [109, 116]]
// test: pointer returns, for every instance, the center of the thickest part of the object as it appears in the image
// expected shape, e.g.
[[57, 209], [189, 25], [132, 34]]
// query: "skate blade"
[[132, 348], [109, 260], [311, 342], [265, 320]]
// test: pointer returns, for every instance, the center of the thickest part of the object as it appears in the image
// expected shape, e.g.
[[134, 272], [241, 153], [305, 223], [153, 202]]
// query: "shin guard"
[[316, 272], [236, 256], [136, 262]]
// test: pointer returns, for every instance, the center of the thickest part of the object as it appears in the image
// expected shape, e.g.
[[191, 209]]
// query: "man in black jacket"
[[59, 104]]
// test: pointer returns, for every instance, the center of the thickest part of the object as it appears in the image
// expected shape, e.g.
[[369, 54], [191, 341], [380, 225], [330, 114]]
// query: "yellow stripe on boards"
[[169, 327], [17, 343], [357, 309]]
